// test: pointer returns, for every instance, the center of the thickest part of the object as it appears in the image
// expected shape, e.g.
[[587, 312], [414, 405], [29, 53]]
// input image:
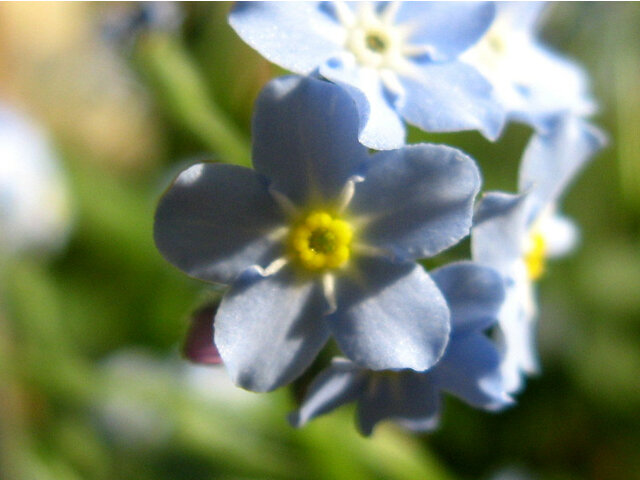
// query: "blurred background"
[[112, 101]]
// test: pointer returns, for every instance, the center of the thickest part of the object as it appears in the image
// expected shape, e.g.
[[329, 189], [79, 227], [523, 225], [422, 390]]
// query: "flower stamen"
[[321, 241], [376, 42]]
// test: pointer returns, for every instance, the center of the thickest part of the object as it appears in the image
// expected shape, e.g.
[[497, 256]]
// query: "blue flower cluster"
[[323, 240]]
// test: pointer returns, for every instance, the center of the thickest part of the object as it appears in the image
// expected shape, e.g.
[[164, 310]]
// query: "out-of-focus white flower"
[[127, 411], [212, 383], [511, 474], [139, 407], [34, 199]]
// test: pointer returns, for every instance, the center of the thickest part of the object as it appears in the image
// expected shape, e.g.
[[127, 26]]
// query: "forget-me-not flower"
[[320, 239], [532, 82], [470, 368], [398, 60], [516, 233]]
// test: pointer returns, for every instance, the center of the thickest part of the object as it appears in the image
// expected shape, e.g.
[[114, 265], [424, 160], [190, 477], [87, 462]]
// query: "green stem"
[[180, 86]]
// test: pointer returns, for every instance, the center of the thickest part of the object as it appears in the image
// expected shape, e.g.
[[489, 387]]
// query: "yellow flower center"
[[536, 256], [321, 241], [492, 54], [496, 42]]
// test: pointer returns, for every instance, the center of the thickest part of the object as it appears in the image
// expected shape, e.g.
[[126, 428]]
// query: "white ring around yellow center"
[[373, 38]]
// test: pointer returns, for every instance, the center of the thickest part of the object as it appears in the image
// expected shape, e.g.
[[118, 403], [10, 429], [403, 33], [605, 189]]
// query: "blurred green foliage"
[[91, 384]]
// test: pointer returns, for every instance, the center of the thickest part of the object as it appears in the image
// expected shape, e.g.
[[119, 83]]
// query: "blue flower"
[[397, 60], [516, 233], [470, 368], [320, 239], [531, 82]]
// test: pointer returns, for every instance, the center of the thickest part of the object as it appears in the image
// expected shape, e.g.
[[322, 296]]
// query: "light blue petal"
[[298, 36], [531, 81], [449, 28], [409, 398], [306, 138], [390, 316], [561, 234], [471, 370], [523, 16], [449, 97], [428, 421], [551, 160], [418, 200], [381, 127], [474, 294], [269, 329], [498, 240], [343, 382], [214, 222], [516, 335], [551, 85], [499, 230]]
